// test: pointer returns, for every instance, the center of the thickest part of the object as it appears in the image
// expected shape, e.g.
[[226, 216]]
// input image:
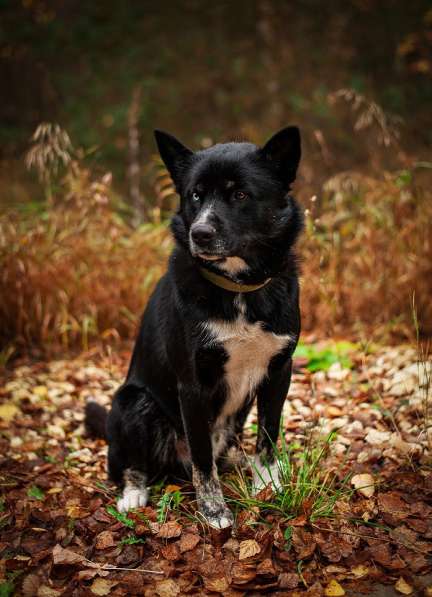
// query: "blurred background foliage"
[[83, 238]]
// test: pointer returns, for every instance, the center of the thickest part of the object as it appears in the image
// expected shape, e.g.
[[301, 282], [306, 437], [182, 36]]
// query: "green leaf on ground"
[[35, 492]]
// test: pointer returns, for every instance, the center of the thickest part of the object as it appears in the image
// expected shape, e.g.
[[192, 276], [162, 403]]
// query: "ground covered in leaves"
[[367, 518]]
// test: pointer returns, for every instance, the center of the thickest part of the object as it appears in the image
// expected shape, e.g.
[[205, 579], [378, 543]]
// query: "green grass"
[[321, 359], [131, 540], [127, 522], [170, 500], [306, 487]]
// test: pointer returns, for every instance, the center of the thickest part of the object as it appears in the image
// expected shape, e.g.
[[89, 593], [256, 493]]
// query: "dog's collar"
[[230, 285]]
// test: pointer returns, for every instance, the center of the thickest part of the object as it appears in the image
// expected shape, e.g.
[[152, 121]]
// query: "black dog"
[[220, 328]]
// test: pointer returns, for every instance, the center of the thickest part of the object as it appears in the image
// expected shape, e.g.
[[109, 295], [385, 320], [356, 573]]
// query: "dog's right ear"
[[173, 153]]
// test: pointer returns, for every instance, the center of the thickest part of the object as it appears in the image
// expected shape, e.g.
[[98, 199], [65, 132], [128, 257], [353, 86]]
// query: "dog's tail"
[[95, 420]]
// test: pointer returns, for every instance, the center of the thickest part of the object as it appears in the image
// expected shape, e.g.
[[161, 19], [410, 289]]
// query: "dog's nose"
[[202, 234]]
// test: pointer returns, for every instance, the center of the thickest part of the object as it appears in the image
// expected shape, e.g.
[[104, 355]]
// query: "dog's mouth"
[[211, 257]]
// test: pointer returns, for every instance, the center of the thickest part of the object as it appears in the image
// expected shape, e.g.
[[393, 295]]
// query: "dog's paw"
[[132, 498], [221, 520], [263, 474], [216, 513]]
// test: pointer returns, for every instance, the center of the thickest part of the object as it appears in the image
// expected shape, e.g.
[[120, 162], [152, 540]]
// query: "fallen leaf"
[[394, 505], [242, 573], [102, 586], [403, 587], [288, 580], [66, 556], [333, 589], [31, 585], [8, 411], [231, 545], [248, 548], [172, 488], [364, 484], [167, 588], [377, 438], [170, 529], [45, 591], [266, 568], [188, 541], [303, 542], [171, 552], [217, 585], [360, 571], [105, 540]]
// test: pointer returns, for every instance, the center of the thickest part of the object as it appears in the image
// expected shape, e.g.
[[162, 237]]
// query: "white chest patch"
[[250, 349]]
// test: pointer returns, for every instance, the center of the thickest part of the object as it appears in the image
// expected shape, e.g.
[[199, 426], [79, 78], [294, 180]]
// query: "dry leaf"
[[218, 584], [8, 411], [248, 548], [167, 588], [105, 540], [188, 541], [364, 484], [394, 505], [288, 580], [360, 571], [172, 488], [266, 568], [333, 589], [66, 556], [403, 587], [242, 573], [170, 529], [171, 552], [46, 591], [31, 585], [102, 586]]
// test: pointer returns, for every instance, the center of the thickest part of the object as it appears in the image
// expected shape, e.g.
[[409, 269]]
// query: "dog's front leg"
[[209, 495], [270, 399]]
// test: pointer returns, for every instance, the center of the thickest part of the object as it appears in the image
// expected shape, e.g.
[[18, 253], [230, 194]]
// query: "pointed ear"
[[173, 153], [284, 151]]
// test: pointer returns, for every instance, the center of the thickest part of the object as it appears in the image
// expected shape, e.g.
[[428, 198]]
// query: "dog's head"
[[235, 214]]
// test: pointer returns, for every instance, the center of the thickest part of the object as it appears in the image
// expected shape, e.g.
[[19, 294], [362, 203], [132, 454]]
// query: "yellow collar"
[[230, 285]]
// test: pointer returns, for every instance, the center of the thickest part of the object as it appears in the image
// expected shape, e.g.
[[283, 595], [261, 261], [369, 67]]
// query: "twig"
[[111, 567]]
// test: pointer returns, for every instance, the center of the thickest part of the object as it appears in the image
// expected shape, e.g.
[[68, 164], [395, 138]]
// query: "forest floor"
[[355, 510]]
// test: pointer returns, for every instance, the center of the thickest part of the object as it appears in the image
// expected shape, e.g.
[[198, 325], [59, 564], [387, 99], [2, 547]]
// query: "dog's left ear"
[[284, 151], [174, 154]]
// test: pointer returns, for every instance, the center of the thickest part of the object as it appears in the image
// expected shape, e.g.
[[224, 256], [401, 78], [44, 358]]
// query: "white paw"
[[221, 522], [132, 498], [262, 475]]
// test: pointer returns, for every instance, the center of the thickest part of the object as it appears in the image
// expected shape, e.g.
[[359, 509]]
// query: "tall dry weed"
[[367, 249], [77, 272]]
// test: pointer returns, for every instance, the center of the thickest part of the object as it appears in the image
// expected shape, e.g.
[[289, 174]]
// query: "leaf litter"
[[61, 534]]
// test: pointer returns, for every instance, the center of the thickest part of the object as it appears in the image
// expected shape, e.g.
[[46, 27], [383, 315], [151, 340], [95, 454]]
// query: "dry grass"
[[78, 272], [367, 251]]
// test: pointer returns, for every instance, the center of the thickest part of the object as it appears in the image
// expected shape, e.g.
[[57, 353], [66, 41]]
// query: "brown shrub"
[[366, 253], [78, 272]]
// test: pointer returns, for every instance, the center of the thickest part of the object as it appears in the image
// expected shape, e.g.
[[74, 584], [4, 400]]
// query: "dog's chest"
[[250, 349]]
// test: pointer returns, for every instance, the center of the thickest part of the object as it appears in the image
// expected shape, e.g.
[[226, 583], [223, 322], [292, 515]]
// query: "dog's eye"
[[240, 195], [195, 197]]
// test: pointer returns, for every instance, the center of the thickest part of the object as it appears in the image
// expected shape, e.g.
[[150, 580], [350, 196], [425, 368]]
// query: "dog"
[[219, 329]]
